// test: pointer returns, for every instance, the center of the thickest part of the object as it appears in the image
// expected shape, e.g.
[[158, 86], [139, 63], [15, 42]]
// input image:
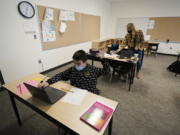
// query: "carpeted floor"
[[151, 108]]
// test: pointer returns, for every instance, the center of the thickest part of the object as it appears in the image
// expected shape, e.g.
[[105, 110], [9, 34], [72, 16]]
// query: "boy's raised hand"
[[43, 84]]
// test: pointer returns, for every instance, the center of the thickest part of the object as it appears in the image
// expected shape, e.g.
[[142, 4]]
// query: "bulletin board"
[[84, 28], [90, 27], [165, 28]]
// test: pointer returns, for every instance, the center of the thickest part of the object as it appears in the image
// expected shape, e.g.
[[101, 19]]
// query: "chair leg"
[[119, 75], [111, 77], [129, 77], [112, 74]]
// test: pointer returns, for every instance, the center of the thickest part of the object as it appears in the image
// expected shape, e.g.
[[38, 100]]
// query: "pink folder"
[[21, 88]]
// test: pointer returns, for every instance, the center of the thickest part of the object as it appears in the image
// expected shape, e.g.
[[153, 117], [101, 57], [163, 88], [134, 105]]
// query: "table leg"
[[110, 126], [130, 79], [15, 108], [132, 74], [134, 71], [92, 62]]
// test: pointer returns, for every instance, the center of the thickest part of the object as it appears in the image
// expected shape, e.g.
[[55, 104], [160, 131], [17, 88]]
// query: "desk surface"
[[118, 59], [153, 42], [113, 57], [65, 113]]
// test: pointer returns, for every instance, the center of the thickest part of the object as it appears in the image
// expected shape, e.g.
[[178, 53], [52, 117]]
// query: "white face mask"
[[79, 68]]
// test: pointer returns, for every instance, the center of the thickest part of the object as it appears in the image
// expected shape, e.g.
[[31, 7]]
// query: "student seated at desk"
[[114, 46], [81, 75]]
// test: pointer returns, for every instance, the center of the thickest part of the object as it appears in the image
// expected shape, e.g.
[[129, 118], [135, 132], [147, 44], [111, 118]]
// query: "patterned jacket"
[[135, 40], [85, 79]]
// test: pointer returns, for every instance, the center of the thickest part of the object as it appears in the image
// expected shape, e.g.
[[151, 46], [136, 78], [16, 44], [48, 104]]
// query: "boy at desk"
[[81, 75]]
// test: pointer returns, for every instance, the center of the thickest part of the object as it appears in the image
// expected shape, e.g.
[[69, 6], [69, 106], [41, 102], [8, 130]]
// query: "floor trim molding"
[[167, 54], [54, 68]]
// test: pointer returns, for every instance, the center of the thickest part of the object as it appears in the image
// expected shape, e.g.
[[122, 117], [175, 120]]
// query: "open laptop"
[[125, 54], [48, 94]]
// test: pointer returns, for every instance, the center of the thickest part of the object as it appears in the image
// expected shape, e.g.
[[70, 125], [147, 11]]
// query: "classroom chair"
[[153, 48], [122, 69]]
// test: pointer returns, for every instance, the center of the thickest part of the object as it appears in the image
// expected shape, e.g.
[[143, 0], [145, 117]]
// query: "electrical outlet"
[[35, 37], [39, 61]]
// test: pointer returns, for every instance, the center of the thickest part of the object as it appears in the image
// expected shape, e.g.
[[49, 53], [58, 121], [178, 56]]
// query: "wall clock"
[[26, 9]]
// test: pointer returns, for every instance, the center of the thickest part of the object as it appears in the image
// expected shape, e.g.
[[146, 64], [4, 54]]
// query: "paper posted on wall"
[[48, 31], [66, 15], [49, 15], [29, 28], [63, 27], [151, 24], [147, 37]]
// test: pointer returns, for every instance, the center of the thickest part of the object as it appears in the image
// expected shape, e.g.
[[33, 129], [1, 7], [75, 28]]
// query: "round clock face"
[[26, 9]]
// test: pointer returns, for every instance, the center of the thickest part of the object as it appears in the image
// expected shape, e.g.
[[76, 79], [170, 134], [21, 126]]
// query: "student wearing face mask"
[[81, 75], [134, 40]]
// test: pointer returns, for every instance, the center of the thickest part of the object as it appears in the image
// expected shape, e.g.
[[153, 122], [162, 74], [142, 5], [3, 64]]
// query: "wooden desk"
[[133, 67], [132, 63], [122, 60], [62, 114]]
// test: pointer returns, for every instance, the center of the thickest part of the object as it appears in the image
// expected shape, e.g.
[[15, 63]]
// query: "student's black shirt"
[[85, 79]]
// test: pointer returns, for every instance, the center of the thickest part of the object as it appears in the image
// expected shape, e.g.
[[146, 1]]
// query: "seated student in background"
[[115, 45], [81, 75]]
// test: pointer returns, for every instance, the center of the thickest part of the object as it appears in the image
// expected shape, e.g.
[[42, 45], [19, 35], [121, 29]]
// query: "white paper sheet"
[[28, 27], [151, 24], [63, 27], [147, 37], [114, 55], [71, 16], [66, 15], [75, 97], [48, 31], [107, 55], [49, 15]]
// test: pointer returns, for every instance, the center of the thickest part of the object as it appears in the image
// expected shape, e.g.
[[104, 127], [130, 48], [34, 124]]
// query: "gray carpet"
[[151, 108]]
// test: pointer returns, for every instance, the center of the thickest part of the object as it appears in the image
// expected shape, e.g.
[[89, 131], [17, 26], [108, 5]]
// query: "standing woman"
[[134, 39]]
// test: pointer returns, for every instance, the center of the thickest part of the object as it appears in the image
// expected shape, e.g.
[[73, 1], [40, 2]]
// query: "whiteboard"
[[140, 24]]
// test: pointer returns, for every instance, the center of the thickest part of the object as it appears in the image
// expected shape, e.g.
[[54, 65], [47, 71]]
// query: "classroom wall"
[[143, 8], [20, 52]]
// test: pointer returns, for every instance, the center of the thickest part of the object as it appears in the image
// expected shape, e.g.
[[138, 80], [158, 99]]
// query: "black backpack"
[[175, 66]]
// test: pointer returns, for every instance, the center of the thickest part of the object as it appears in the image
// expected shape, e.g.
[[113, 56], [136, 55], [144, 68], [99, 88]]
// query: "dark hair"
[[80, 55]]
